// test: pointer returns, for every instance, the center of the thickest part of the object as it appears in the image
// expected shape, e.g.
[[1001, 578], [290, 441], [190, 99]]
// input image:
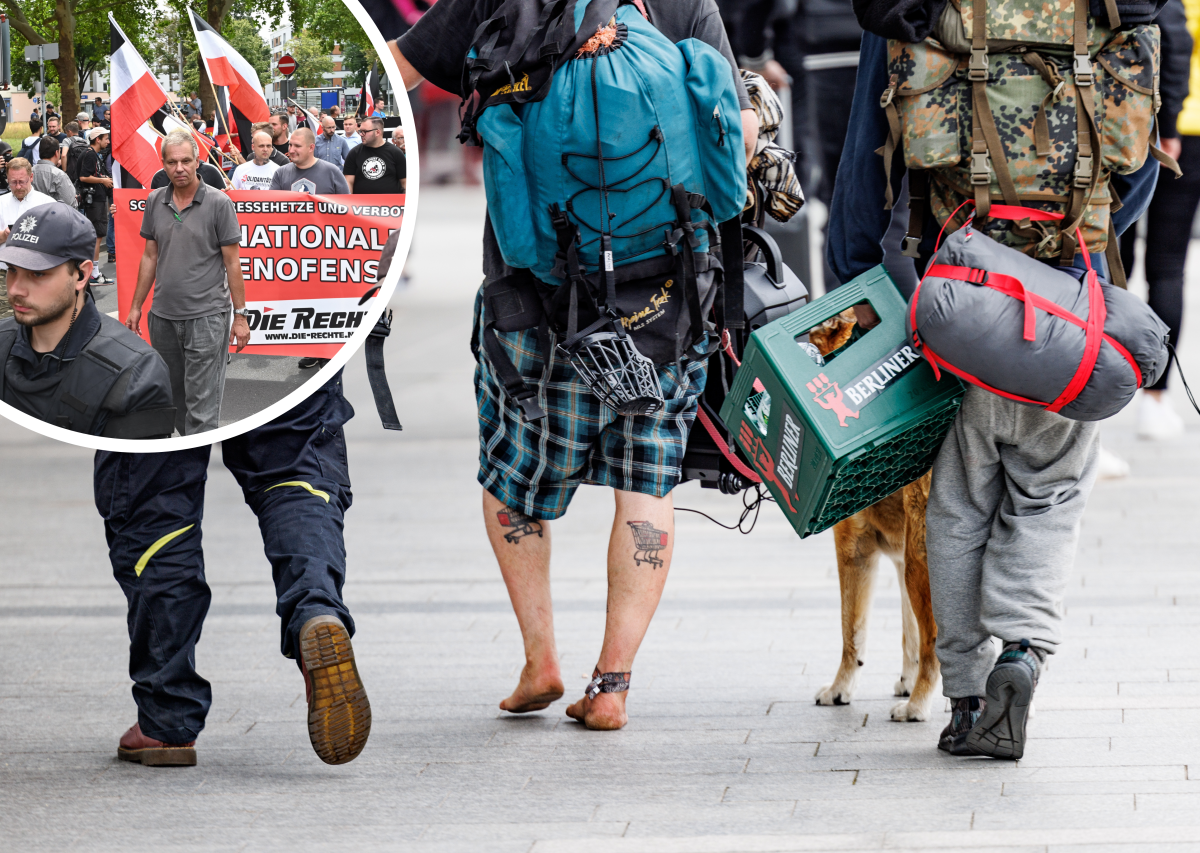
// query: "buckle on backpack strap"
[[889, 93], [977, 68], [1083, 170], [1083, 70], [981, 172], [910, 245], [530, 410]]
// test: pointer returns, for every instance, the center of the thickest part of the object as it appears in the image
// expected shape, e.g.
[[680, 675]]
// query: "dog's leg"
[[911, 642], [916, 583], [857, 556]]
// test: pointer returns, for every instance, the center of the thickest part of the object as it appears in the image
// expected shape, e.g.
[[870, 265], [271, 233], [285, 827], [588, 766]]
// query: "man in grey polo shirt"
[[191, 257]]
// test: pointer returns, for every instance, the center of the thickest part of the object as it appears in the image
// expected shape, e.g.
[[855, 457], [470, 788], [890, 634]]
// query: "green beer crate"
[[831, 440]]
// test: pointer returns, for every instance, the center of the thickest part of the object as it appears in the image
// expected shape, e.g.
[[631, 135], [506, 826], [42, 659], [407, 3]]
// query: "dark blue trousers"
[[294, 476]]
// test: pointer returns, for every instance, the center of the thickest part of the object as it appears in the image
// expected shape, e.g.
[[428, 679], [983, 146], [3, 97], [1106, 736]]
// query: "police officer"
[[63, 361], [294, 476]]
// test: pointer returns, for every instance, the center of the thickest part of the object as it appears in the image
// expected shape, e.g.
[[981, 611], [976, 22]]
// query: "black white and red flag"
[[136, 97], [242, 102], [369, 99]]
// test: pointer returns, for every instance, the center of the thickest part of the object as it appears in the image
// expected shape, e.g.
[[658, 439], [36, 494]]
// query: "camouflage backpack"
[[1030, 103]]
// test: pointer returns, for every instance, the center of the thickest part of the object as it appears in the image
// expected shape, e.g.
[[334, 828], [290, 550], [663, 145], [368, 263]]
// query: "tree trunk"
[[64, 14]]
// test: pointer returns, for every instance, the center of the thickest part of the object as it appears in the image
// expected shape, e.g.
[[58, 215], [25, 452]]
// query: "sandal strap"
[[607, 682]]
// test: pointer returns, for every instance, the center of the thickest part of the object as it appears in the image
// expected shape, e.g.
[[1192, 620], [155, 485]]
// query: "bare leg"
[[522, 547], [638, 561]]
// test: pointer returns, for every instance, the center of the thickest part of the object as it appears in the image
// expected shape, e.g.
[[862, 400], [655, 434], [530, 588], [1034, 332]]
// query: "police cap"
[[48, 235]]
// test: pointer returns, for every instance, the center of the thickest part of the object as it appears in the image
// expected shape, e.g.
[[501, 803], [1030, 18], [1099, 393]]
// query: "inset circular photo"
[[202, 234]]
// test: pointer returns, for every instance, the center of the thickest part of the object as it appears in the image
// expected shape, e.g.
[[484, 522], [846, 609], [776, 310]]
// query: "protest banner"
[[308, 261]]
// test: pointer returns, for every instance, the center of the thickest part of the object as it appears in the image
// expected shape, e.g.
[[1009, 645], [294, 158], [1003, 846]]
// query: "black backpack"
[[28, 149], [75, 153]]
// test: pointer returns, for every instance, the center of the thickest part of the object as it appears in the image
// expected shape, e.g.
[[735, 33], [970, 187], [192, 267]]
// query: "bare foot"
[[535, 691], [604, 713]]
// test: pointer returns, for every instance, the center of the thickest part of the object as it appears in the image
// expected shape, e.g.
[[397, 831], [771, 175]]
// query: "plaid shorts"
[[536, 467]]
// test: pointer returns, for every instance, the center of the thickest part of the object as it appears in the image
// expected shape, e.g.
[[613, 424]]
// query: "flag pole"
[[217, 165]]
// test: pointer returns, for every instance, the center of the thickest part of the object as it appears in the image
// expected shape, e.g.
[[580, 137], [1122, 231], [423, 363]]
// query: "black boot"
[[1000, 732], [965, 714]]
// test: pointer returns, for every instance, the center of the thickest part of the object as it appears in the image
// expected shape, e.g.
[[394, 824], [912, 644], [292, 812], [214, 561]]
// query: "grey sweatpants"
[[196, 352], [1009, 489]]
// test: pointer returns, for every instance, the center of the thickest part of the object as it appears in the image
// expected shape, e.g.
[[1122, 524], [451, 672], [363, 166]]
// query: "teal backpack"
[[610, 156]]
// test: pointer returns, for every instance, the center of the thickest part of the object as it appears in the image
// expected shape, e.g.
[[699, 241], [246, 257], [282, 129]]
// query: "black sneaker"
[[965, 713], [1000, 732]]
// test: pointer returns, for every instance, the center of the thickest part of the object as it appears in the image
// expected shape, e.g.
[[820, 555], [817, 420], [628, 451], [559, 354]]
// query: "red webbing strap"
[[1093, 336], [1006, 284], [935, 360], [1016, 213], [715, 434]]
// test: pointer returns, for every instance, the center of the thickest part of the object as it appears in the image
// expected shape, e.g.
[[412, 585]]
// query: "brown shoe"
[[135, 746], [339, 715]]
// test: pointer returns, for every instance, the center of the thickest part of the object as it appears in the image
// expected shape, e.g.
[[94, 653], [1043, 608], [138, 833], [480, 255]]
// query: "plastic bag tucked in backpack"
[[661, 114], [978, 328]]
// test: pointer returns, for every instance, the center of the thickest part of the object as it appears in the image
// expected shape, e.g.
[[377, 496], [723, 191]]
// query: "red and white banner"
[[136, 96], [308, 262], [226, 67]]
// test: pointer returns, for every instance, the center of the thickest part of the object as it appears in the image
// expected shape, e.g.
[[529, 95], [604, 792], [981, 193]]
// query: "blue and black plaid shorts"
[[536, 467]]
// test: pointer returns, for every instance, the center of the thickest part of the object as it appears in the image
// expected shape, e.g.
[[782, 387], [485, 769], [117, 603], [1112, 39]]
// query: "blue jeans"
[[294, 476], [110, 244]]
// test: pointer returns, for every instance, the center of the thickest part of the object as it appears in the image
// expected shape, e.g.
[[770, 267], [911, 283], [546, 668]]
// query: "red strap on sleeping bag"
[[1093, 327]]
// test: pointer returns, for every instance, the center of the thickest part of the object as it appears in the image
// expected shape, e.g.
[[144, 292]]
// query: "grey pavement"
[[725, 750]]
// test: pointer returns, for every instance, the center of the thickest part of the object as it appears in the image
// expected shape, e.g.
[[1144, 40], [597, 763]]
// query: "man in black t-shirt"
[[372, 167], [529, 471], [95, 193]]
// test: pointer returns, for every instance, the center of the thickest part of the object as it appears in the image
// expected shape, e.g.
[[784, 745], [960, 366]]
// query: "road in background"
[[725, 750]]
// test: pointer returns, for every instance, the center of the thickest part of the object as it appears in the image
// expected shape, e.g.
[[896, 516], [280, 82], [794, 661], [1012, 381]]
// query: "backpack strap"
[[731, 301], [1087, 171], [498, 305], [377, 373], [918, 203]]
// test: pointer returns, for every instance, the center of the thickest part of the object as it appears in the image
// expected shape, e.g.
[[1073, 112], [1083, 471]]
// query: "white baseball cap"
[[95, 133]]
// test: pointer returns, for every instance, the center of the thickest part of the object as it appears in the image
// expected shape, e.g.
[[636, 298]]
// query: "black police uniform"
[[294, 476], [101, 379]]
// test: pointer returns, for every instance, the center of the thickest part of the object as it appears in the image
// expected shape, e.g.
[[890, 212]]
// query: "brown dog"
[[896, 527]]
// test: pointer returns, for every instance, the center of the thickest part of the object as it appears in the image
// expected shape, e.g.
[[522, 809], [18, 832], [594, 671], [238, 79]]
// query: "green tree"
[[357, 60], [312, 59], [217, 13], [330, 22], [242, 35], [79, 28]]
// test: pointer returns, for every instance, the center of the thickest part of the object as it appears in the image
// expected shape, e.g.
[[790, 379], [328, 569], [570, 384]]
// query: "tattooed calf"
[[522, 525], [647, 541]]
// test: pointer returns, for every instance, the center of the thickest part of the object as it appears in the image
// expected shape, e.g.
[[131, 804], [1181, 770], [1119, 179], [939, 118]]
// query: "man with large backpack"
[[593, 244], [992, 117]]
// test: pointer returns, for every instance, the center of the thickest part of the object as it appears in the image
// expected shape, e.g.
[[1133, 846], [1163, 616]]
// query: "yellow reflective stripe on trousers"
[[156, 547], [323, 495]]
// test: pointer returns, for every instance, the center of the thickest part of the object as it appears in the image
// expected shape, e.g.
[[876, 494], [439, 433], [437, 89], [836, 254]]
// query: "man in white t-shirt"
[[20, 198], [257, 174]]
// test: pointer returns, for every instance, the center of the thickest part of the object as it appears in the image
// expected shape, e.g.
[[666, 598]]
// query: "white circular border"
[[380, 300]]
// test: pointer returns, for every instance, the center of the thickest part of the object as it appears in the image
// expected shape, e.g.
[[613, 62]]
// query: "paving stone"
[[726, 750]]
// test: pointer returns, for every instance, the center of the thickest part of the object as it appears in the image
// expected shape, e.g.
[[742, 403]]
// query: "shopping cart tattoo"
[[522, 525], [648, 542]]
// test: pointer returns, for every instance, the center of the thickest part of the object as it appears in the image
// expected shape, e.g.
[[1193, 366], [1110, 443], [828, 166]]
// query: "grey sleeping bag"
[[977, 331]]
